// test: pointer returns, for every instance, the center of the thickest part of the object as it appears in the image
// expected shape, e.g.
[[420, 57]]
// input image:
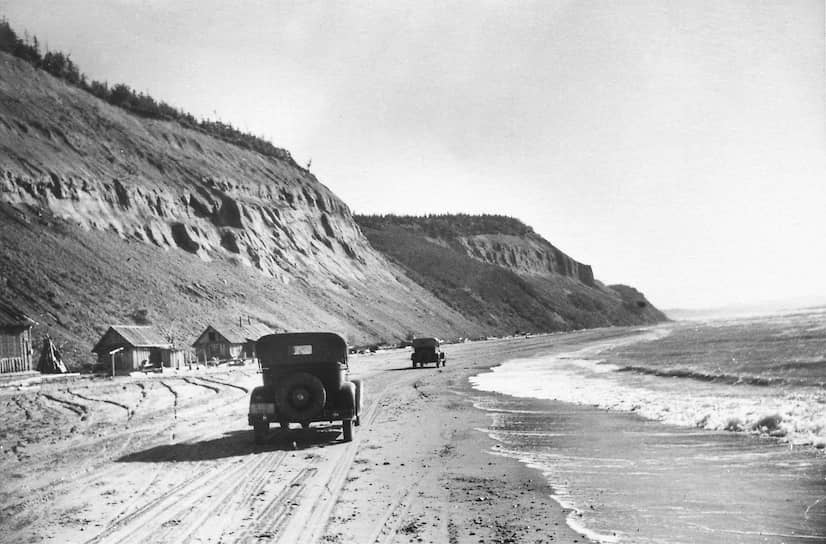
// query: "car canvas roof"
[[426, 342], [326, 347]]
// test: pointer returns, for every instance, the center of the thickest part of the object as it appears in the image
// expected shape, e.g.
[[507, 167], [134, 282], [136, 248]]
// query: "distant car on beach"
[[427, 350]]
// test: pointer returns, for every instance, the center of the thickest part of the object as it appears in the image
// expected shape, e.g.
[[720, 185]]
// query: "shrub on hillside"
[[124, 97]]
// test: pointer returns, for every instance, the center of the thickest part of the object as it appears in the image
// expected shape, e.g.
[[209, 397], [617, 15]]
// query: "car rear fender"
[[347, 396], [262, 401], [359, 394]]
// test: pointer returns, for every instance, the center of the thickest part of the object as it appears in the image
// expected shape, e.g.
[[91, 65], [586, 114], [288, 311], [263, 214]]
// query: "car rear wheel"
[[347, 428], [300, 396]]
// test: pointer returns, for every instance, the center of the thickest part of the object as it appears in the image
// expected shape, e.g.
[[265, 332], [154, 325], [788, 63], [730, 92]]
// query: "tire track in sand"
[[227, 502], [199, 384], [221, 502], [80, 410], [310, 520], [270, 521], [106, 401], [174, 398], [226, 384], [390, 523], [182, 510]]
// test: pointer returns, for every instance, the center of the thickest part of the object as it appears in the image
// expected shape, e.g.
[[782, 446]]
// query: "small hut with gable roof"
[[226, 342], [139, 346]]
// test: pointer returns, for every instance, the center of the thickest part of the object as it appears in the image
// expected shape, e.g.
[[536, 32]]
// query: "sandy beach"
[[171, 459], [167, 458]]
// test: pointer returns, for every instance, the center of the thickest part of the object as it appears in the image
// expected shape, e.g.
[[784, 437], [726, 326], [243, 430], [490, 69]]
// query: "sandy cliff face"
[[155, 182], [500, 272], [526, 254]]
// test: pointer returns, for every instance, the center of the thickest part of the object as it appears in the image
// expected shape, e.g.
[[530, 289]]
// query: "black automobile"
[[306, 379], [427, 350]]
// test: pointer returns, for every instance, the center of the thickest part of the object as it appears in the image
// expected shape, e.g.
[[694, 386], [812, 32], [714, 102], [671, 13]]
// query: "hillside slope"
[[499, 272], [109, 218]]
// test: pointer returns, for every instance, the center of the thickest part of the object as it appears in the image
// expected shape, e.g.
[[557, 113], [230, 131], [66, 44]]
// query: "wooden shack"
[[138, 347], [15, 340], [229, 342]]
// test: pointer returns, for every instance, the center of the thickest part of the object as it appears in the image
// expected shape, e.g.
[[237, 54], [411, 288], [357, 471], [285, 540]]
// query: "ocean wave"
[[729, 379], [792, 414], [701, 376]]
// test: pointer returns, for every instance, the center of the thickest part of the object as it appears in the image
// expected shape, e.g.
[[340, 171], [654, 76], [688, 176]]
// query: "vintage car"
[[427, 350], [306, 379]]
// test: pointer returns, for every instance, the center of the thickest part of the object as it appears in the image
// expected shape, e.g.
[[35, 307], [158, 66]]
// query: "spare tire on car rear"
[[300, 396]]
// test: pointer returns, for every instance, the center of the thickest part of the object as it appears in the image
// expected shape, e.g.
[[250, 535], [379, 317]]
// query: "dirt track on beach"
[[171, 459]]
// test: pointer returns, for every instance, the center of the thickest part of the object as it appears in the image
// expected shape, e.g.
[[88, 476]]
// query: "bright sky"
[[677, 146]]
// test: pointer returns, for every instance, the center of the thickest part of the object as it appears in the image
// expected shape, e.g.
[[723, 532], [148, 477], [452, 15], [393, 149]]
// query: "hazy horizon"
[[676, 147]]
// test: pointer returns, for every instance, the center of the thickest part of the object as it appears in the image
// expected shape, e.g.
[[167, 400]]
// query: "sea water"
[[690, 432]]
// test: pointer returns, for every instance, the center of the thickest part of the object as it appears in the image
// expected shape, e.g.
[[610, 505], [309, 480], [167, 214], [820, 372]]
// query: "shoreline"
[[452, 461], [626, 477]]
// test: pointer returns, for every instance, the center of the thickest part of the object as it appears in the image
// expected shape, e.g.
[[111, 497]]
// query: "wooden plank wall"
[[14, 364], [18, 357]]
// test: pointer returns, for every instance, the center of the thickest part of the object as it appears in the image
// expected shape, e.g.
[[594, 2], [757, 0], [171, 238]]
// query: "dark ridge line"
[[107, 401], [175, 397], [219, 382], [144, 396], [213, 389], [78, 409], [26, 411]]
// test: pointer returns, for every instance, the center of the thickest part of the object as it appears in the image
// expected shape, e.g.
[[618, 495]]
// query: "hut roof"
[[12, 317], [139, 336], [238, 333]]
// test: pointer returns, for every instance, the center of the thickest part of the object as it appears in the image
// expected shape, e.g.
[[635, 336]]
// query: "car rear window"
[[304, 349]]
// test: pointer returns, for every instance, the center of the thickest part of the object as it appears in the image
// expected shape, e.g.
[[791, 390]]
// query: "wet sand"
[[640, 481]]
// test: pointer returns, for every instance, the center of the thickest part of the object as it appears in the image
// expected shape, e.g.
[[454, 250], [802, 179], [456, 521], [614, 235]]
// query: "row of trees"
[[123, 96], [449, 225]]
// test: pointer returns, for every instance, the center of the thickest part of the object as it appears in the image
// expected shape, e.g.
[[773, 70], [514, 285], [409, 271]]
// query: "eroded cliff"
[[498, 271], [203, 230], [527, 254], [154, 181]]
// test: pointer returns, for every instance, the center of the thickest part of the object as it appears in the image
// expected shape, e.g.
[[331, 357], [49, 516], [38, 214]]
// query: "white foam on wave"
[[794, 414], [485, 408]]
